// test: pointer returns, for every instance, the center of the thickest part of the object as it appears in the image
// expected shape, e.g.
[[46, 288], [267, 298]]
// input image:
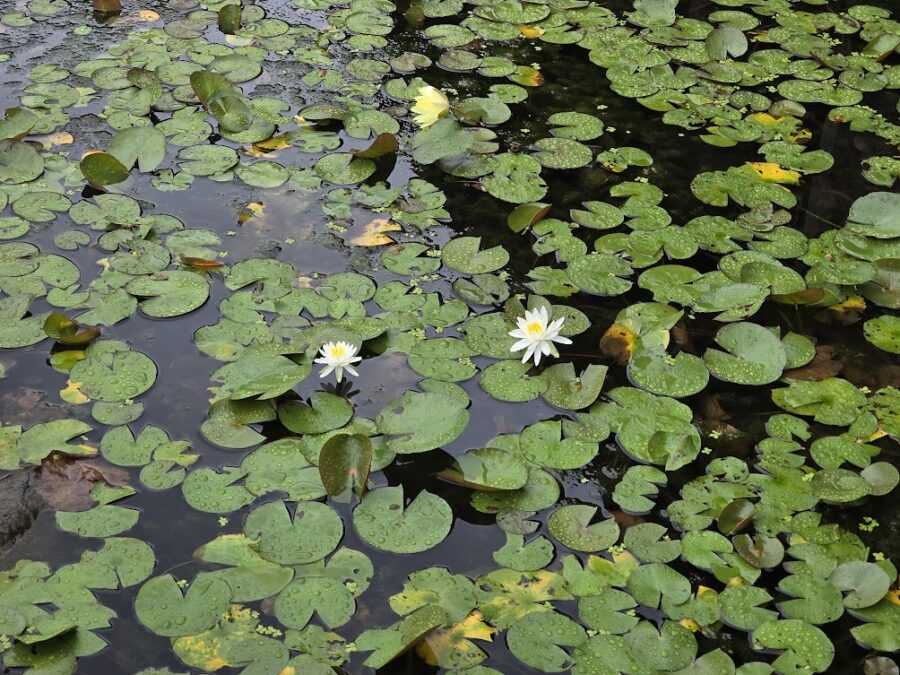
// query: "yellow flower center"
[[534, 328], [338, 352]]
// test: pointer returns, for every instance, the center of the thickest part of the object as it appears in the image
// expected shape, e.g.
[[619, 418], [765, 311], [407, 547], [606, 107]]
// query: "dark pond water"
[[294, 230]]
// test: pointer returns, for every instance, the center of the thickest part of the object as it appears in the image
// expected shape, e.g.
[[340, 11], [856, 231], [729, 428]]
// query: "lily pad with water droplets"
[[454, 593], [213, 491], [388, 644], [562, 153], [162, 607], [111, 371], [516, 179], [572, 526], [325, 412], [565, 389], [655, 371], [308, 534], [538, 640], [505, 596], [754, 355], [422, 421], [884, 333], [804, 646], [384, 521], [463, 255], [104, 520], [543, 443], [509, 381], [344, 465], [487, 469]]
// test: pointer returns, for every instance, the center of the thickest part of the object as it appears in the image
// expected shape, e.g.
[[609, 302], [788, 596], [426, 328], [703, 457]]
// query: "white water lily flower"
[[338, 356], [431, 105], [536, 336]]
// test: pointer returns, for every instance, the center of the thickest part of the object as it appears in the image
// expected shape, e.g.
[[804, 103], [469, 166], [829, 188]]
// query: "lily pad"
[[571, 525], [487, 469], [384, 521], [163, 608]]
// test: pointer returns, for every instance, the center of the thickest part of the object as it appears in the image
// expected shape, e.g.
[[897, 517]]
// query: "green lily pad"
[[516, 554], [804, 645], [516, 179], [111, 371], [422, 421], [864, 583], [228, 424], [385, 522], [565, 389], [344, 464], [576, 126], [671, 648], [562, 153], [754, 355], [102, 169], [463, 255], [884, 333], [509, 381], [388, 644], [171, 293], [162, 607], [215, 492], [487, 469], [571, 525], [600, 274], [875, 215], [655, 371], [309, 534], [543, 444], [606, 611], [325, 412], [538, 639], [105, 520]]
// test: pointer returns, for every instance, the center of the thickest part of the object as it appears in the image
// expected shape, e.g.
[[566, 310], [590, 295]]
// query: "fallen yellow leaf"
[[73, 394], [451, 647], [374, 233], [251, 210], [772, 172], [690, 624], [852, 304], [766, 119], [274, 143], [59, 138], [530, 32], [618, 343]]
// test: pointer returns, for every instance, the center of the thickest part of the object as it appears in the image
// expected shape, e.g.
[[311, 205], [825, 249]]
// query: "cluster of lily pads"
[[690, 542]]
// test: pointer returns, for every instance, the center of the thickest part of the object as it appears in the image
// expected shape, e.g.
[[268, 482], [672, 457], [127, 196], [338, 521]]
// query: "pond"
[[447, 336]]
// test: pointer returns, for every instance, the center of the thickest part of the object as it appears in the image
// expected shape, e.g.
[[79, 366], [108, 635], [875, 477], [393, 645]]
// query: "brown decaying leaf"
[[201, 263], [66, 483], [107, 6], [845, 313], [626, 520], [864, 375], [823, 366], [711, 410], [682, 338]]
